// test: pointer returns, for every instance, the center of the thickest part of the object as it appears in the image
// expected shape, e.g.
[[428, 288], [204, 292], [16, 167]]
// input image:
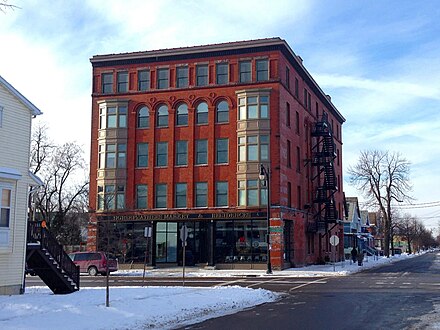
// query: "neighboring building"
[[16, 113], [179, 137], [352, 224]]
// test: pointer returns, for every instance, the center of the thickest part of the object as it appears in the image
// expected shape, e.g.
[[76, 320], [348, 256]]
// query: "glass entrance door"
[[166, 242]]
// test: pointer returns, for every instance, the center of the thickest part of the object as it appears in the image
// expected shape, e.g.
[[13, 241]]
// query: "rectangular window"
[[289, 194], [181, 153], [201, 194], [221, 155], [305, 98], [262, 67], [180, 200], [297, 123], [298, 198], [122, 78], [287, 114], [122, 155], [141, 196], [162, 78], [296, 88], [201, 152], [5, 208], [253, 148], [182, 76], [298, 159], [120, 198], [245, 71], [109, 197], [116, 117], [252, 192], [289, 158], [107, 83], [222, 76], [143, 80], [161, 196], [101, 159], [287, 78], [242, 193], [202, 75], [142, 155], [110, 156], [221, 193], [264, 147], [161, 153]]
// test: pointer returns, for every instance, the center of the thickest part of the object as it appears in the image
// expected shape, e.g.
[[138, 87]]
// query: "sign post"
[[183, 237], [147, 233], [334, 241]]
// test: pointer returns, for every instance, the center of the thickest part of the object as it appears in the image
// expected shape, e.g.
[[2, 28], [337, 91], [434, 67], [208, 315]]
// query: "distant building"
[[16, 113], [179, 137]]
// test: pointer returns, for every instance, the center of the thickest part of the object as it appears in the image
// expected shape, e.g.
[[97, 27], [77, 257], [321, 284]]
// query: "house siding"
[[15, 134]]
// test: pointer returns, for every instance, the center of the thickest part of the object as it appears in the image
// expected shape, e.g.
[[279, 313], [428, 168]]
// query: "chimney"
[[299, 58], [328, 97]]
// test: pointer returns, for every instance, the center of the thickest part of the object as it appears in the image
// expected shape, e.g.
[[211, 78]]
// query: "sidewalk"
[[338, 269]]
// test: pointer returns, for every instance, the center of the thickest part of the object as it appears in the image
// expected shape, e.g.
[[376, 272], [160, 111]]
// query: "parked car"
[[94, 262]]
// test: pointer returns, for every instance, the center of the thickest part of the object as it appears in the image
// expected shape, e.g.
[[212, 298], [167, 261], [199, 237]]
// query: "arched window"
[[202, 113], [222, 112], [182, 115], [162, 116], [143, 117]]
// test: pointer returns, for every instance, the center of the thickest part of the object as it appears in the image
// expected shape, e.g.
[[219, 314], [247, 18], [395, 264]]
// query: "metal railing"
[[39, 234]]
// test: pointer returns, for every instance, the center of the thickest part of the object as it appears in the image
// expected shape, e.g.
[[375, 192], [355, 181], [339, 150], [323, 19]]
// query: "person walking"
[[354, 254], [360, 258]]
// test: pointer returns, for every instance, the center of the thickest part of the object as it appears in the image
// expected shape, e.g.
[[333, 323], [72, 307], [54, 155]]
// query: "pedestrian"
[[360, 258], [354, 254]]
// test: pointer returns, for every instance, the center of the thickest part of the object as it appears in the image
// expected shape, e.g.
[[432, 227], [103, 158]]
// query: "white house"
[[16, 182]]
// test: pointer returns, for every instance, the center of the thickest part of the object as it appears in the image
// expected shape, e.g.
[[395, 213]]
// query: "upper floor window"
[[122, 78], [221, 152], [202, 113], [222, 74], [289, 157], [253, 107], [253, 148], [201, 194], [222, 112], [180, 198], [201, 152], [113, 117], [143, 117], [287, 77], [182, 115], [161, 196], [296, 88], [251, 192], [202, 75], [111, 197], [182, 76], [107, 83], [141, 196], [5, 207], [262, 70], [143, 80], [142, 155], [161, 153], [245, 71], [287, 114], [112, 155], [181, 153], [162, 116], [162, 78], [297, 125], [221, 193]]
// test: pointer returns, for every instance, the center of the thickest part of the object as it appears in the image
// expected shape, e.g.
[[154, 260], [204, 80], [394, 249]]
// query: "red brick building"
[[180, 136]]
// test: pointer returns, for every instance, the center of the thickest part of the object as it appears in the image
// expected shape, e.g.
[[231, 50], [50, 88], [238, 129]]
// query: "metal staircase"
[[323, 156], [49, 261]]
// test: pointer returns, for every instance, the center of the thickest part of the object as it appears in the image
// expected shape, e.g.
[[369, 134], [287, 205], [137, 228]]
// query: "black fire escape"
[[323, 156], [47, 259]]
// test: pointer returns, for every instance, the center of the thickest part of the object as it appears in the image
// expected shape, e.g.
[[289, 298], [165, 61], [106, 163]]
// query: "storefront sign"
[[183, 216]]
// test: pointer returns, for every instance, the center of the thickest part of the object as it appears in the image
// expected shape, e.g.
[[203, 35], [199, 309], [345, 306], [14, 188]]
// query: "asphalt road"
[[395, 296]]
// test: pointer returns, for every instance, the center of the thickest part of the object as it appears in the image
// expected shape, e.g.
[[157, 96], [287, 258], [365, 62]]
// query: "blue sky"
[[379, 60]]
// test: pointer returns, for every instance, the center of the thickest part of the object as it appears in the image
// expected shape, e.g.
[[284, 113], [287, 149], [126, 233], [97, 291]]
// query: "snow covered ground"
[[150, 307]]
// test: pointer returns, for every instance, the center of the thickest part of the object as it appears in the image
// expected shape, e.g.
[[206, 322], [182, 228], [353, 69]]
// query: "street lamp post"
[[265, 177]]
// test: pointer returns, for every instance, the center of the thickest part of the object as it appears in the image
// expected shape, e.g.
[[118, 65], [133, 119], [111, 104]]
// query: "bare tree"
[[63, 200], [4, 5], [407, 227], [383, 177]]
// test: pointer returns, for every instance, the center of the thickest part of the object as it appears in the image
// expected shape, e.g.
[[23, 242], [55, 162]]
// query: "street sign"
[[334, 240], [184, 233]]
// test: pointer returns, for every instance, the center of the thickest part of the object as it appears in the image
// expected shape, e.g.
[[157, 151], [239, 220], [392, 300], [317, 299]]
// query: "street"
[[393, 296]]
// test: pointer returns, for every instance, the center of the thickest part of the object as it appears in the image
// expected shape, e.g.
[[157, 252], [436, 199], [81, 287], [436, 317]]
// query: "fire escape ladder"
[[323, 156]]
